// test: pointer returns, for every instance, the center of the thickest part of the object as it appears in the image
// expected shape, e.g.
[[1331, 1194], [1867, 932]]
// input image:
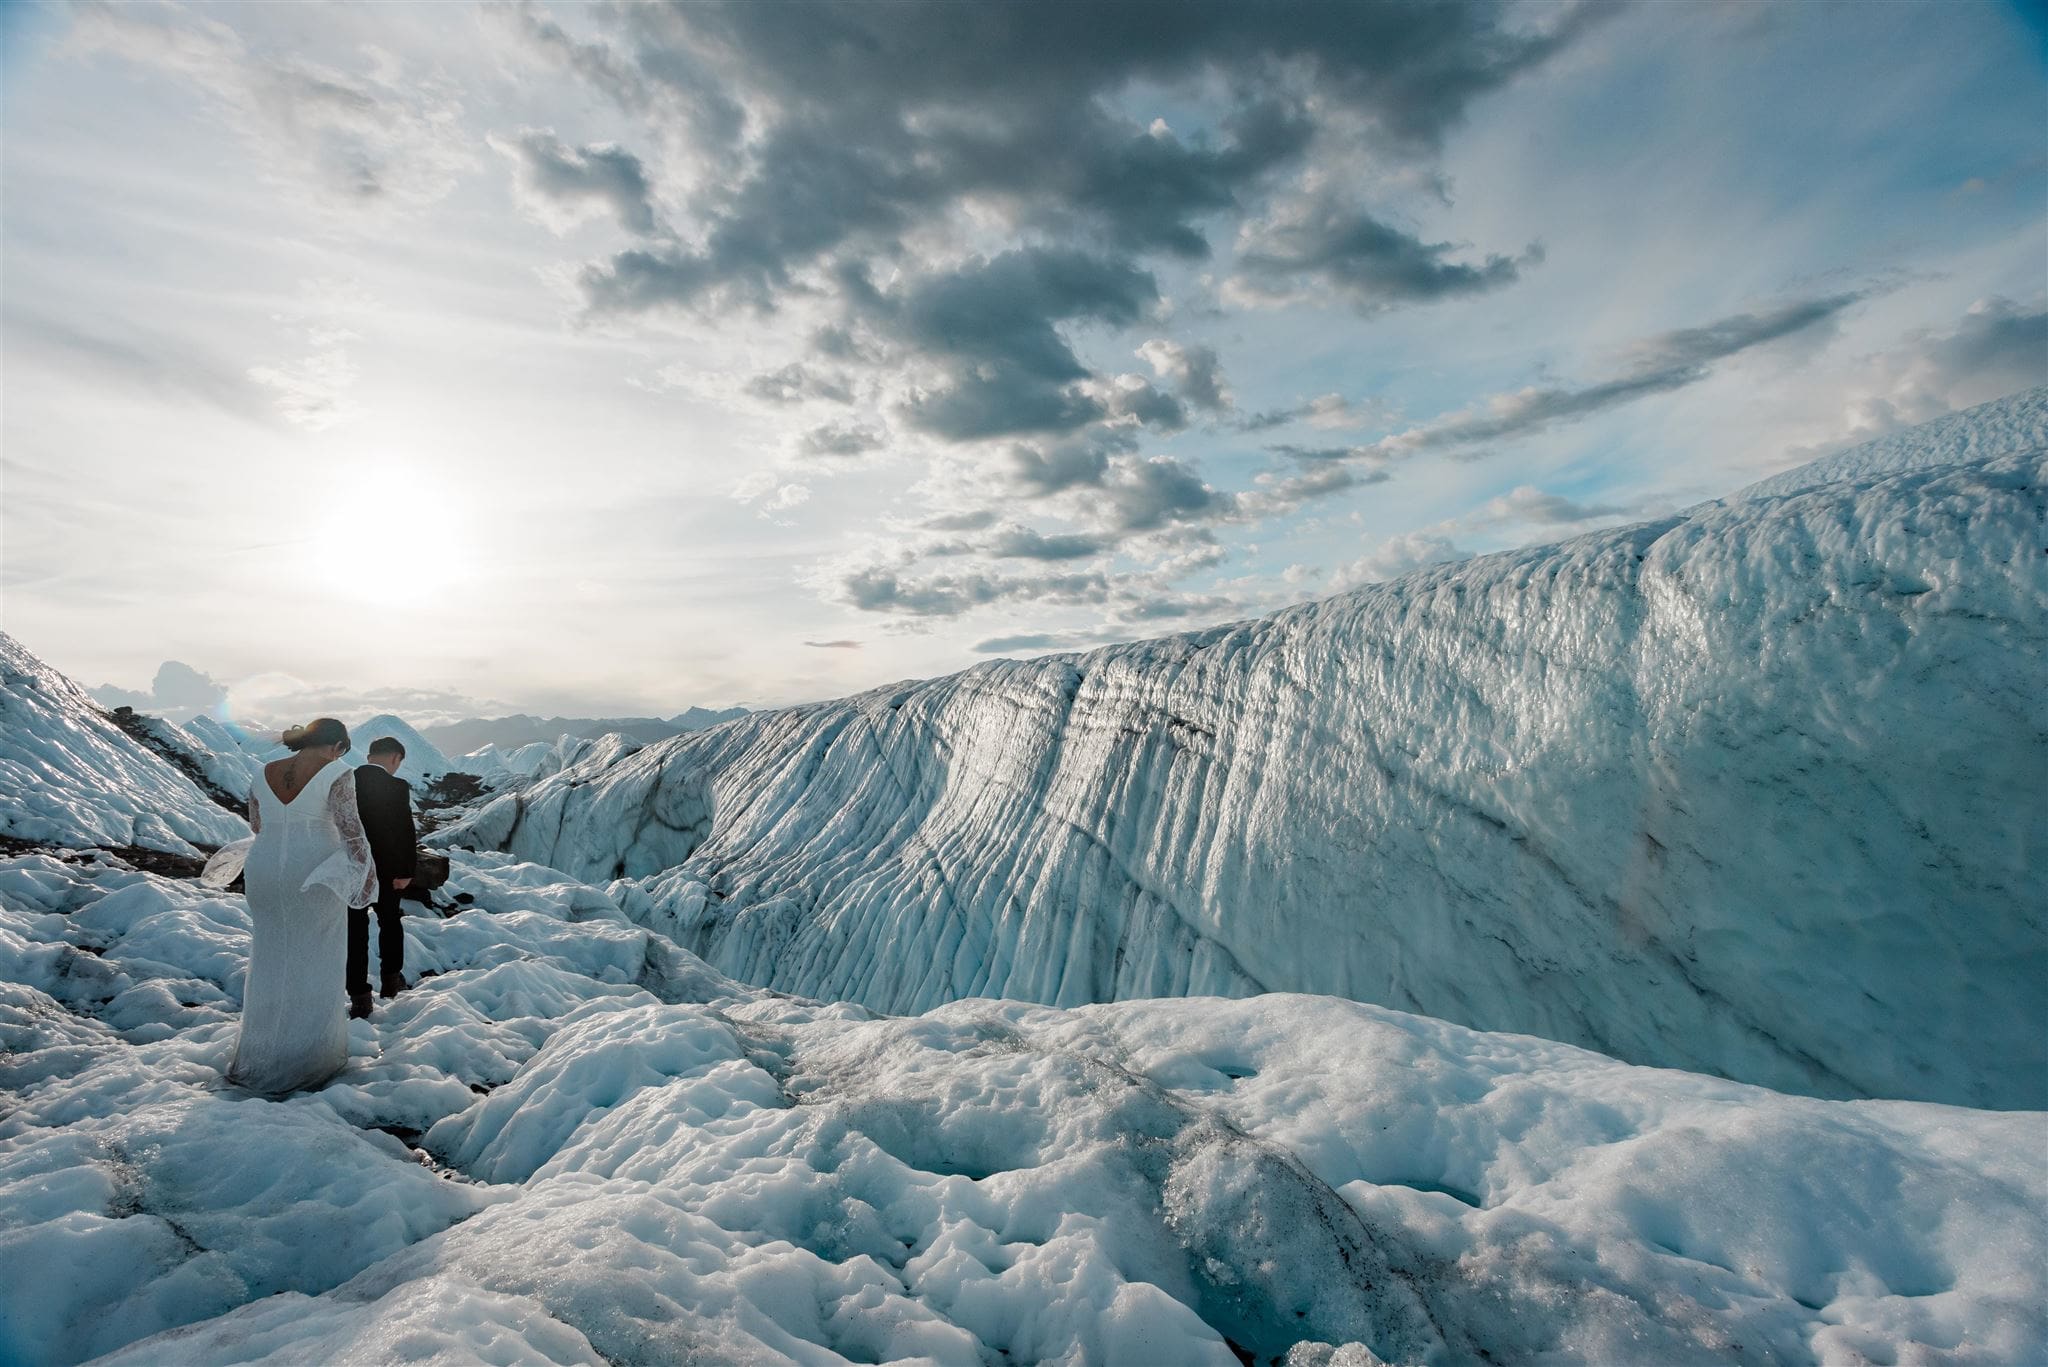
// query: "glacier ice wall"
[[70, 776], [1754, 791]]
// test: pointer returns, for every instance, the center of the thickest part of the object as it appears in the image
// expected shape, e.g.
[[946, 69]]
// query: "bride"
[[308, 862]]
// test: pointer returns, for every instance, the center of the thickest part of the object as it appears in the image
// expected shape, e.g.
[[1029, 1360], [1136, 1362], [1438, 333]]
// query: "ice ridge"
[[1754, 791]]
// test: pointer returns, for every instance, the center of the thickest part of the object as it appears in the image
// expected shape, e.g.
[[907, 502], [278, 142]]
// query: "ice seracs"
[[1750, 791]]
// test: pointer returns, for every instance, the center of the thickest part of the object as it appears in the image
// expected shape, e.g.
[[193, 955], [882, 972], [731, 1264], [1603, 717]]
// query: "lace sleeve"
[[227, 862], [348, 821]]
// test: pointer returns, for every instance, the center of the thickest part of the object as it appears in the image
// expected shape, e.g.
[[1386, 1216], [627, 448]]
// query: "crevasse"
[[1754, 790]]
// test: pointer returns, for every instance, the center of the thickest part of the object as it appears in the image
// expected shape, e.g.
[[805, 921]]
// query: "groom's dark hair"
[[386, 745]]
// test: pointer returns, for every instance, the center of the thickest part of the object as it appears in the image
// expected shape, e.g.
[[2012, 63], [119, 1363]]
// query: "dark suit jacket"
[[386, 804]]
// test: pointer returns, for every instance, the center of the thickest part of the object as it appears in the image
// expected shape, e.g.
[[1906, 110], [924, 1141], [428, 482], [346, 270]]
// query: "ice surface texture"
[[577, 1144], [69, 776], [1755, 791]]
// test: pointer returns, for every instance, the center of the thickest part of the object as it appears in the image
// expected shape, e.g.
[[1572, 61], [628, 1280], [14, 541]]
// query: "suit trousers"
[[390, 939]]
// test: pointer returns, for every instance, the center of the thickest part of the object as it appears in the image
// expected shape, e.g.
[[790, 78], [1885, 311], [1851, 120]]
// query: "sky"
[[608, 359]]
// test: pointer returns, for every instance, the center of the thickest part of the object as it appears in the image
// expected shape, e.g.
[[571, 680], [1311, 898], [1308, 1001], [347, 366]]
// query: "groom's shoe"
[[358, 1006], [394, 983]]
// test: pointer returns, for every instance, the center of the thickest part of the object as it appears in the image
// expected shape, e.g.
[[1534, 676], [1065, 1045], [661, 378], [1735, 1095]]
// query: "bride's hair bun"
[[323, 731]]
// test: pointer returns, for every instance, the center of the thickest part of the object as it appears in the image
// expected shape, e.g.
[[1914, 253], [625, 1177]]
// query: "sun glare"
[[374, 547]]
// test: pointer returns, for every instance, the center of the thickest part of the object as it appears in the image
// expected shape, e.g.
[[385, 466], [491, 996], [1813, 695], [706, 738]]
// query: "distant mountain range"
[[473, 733]]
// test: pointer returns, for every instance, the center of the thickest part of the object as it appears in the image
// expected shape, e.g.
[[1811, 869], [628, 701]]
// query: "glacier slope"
[[70, 776], [575, 1143], [1752, 791]]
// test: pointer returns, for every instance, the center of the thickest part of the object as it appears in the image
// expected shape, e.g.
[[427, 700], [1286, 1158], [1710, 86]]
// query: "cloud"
[[878, 588], [885, 118], [311, 392], [1034, 642], [124, 352], [178, 690], [795, 383], [840, 441], [378, 138], [272, 701], [1530, 504], [562, 186], [861, 158], [833, 645], [991, 324], [1999, 346], [1327, 412], [1399, 555], [1195, 371], [1013, 542], [1659, 364], [1322, 474], [769, 492], [968, 195], [1322, 244]]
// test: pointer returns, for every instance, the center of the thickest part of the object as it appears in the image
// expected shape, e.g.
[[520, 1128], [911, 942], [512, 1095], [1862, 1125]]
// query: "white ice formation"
[[70, 776], [576, 1143], [1754, 791], [423, 762]]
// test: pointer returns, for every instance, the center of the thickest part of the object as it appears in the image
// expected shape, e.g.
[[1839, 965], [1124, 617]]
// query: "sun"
[[375, 547]]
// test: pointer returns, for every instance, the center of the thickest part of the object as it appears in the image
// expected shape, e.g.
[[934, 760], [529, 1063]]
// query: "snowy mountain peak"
[[423, 762]]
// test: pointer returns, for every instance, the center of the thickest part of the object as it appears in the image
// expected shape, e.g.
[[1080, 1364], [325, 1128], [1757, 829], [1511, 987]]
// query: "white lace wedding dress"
[[307, 864]]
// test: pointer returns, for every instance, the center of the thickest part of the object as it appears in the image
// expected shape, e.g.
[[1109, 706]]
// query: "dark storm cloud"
[[992, 325], [1121, 493], [846, 153], [1663, 363], [1144, 495], [1370, 263], [1023, 543], [1037, 471], [1151, 407], [865, 120], [559, 177]]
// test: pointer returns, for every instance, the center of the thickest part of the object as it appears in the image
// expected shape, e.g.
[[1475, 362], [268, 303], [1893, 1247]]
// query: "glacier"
[[575, 1142], [1754, 790], [70, 776]]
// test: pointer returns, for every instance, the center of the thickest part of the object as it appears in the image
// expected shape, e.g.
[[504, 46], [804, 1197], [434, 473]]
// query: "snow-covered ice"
[[69, 776], [576, 1143], [1754, 791]]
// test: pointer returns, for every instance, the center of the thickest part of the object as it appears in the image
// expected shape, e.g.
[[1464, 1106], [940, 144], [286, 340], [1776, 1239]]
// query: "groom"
[[385, 802]]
